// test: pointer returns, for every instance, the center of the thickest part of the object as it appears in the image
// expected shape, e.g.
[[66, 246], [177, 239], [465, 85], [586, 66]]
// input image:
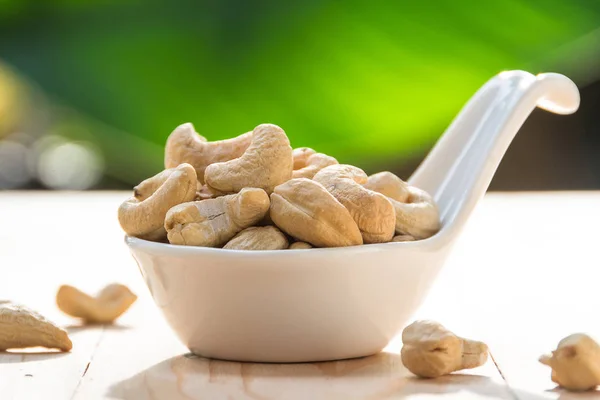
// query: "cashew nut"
[[110, 303], [21, 327], [184, 145], [300, 155], [144, 190], [266, 163], [148, 186], [204, 193], [389, 185], [213, 222], [305, 210], [300, 246], [314, 163], [373, 212], [429, 350], [416, 212], [379, 205], [145, 218], [418, 216], [403, 238], [266, 221], [258, 238], [575, 363]]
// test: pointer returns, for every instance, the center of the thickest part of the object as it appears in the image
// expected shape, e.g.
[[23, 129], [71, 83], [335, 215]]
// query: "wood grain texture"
[[523, 265]]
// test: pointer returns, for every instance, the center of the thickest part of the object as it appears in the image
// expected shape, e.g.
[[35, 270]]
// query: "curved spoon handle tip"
[[559, 93]]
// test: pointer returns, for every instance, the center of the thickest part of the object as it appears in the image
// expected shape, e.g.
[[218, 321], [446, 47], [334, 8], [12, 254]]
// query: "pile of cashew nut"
[[254, 192]]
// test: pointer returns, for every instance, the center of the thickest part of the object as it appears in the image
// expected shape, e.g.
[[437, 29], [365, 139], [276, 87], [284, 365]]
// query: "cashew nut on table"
[[255, 192], [575, 363], [429, 350], [21, 327], [108, 305]]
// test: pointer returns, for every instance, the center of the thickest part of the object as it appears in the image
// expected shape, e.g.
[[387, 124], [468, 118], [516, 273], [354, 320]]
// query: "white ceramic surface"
[[326, 304]]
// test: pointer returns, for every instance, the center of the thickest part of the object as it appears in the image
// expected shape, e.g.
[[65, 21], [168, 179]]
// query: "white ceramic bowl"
[[327, 304], [287, 306]]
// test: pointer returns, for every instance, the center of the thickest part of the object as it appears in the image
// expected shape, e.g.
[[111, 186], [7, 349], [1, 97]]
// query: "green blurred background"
[[90, 90]]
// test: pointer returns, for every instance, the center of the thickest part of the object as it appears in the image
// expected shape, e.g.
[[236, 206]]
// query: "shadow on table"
[[380, 376], [73, 329], [566, 395], [461, 384], [42, 353], [29, 355]]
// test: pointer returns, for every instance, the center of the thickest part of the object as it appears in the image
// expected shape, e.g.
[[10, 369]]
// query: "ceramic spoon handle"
[[458, 170]]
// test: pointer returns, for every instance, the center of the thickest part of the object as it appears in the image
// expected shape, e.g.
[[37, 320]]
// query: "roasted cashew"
[[145, 218], [184, 145], [213, 222], [258, 238], [416, 212], [300, 246], [418, 216], [108, 305], [203, 192], [314, 163], [21, 327], [373, 212], [266, 221], [389, 185], [305, 210], [148, 186], [575, 363], [265, 164], [403, 238], [300, 155], [429, 350]]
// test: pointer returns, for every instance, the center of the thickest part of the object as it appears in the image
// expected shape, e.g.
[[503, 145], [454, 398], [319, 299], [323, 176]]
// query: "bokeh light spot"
[[13, 165], [69, 165]]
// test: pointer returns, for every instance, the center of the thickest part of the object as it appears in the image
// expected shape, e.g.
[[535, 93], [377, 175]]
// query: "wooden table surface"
[[524, 274]]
